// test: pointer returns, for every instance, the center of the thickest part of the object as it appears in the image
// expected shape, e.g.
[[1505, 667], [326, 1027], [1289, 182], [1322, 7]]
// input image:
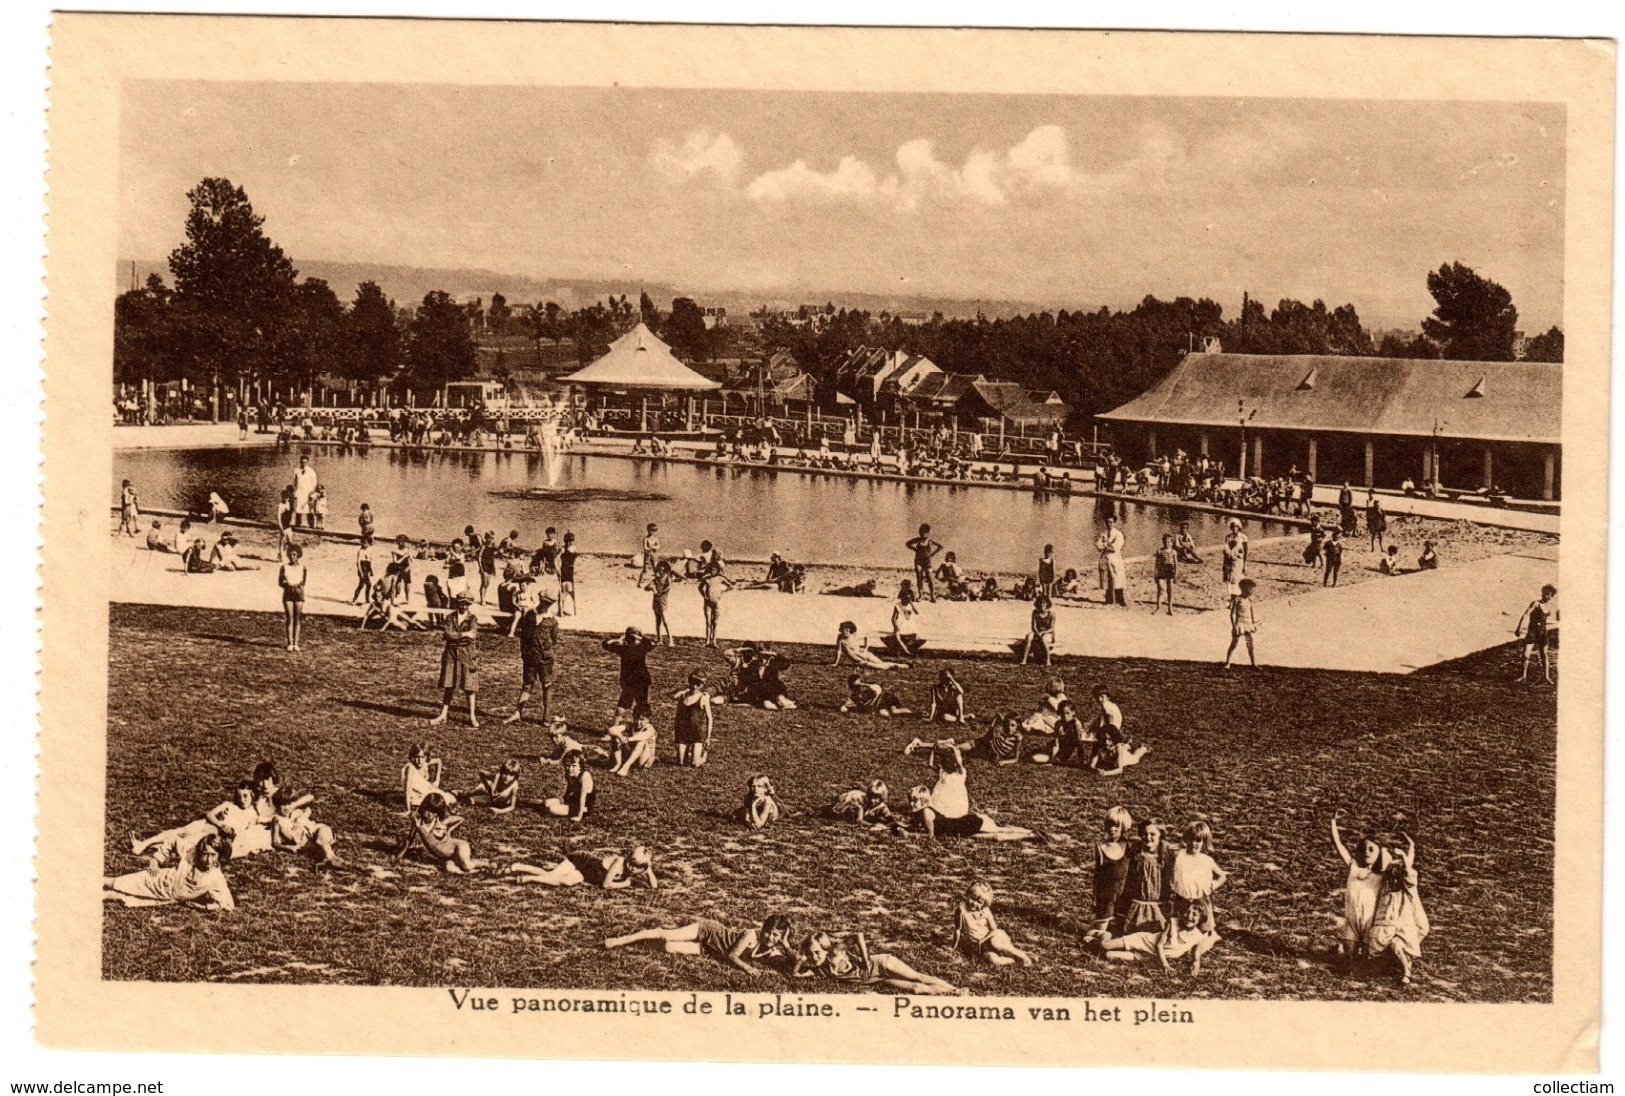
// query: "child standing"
[[1541, 618], [1193, 873], [1332, 553], [976, 930], [1366, 863], [1399, 923], [129, 510], [1046, 570], [1146, 910], [693, 720], [632, 647], [364, 520], [1165, 568], [460, 659], [651, 555], [567, 574], [1112, 864], [660, 583], [1244, 623], [363, 570], [400, 566], [291, 577]]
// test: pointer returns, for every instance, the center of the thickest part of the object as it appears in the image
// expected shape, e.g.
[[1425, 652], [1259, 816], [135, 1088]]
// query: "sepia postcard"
[[824, 544]]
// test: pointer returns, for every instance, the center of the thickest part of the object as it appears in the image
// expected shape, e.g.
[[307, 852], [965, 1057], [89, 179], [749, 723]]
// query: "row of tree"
[[1101, 359], [238, 312]]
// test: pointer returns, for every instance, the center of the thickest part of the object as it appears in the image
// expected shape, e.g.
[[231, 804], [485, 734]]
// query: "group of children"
[[184, 863]]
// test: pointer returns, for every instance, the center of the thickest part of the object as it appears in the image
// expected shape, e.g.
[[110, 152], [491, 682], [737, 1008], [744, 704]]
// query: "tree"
[[498, 316], [1545, 348], [233, 286], [143, 335], [1395, 345], [311, 337], [648, 313], [374, 338], [439, 346], [1474, 319], [685, 328]]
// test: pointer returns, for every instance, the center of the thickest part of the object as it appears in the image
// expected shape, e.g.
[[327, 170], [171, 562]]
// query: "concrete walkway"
[[1389, 626], [192, 435]]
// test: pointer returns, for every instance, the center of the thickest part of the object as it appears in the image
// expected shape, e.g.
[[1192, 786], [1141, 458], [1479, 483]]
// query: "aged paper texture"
[[814, 339]]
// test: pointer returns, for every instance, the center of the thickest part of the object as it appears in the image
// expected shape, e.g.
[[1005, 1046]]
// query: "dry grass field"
[[1459, 756]]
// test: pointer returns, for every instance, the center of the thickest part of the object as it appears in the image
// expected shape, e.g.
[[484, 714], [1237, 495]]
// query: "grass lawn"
[[1460, 756]]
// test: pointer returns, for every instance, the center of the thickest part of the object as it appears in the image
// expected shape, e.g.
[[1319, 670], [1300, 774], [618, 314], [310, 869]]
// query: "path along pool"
[[606, 500]]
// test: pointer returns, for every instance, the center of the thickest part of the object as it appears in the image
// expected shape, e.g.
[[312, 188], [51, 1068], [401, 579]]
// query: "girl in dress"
[[460, 659], [226, 819], [850, 646], [291, 576], [420, 778], [821, 954], [693, 718], [606, 871], [761, 805], [1243, 623], [1112, 863], [868, 697], [197, 879], [1146, 907], [947, 700], [976, 930], [660, 582], [1193, 874], [579, 792], [738, 947], [1366, 863], [1042, 629], [1399, 923], [432, 826]]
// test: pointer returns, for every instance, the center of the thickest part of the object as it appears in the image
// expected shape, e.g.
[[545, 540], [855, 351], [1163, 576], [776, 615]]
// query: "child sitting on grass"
[[866, 696], [1181, 937], [432, 826], [501, 786], [420, 777], [867, 807], [633, 749], [607, 871], [293, 830], [761, 805], [976, 930], [947, 700], [579, 793]]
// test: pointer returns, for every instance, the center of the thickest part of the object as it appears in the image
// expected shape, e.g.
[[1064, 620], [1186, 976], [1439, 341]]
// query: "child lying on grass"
[[607, 870]]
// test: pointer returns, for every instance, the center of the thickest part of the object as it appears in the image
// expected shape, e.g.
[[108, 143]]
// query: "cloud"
[[1041, 160], [701, 153], [851, 179]]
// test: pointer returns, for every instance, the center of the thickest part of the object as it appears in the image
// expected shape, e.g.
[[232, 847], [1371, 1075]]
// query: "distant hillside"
[[409, 284]]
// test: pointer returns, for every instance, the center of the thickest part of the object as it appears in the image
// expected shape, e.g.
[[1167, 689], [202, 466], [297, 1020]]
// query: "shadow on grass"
[[240, 641], [386, 709]]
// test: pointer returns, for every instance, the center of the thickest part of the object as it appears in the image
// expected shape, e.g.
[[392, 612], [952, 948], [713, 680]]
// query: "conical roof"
[[640, 360]]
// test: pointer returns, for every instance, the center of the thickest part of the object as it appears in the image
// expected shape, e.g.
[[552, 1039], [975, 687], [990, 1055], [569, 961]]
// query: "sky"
[[1057, 201]]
